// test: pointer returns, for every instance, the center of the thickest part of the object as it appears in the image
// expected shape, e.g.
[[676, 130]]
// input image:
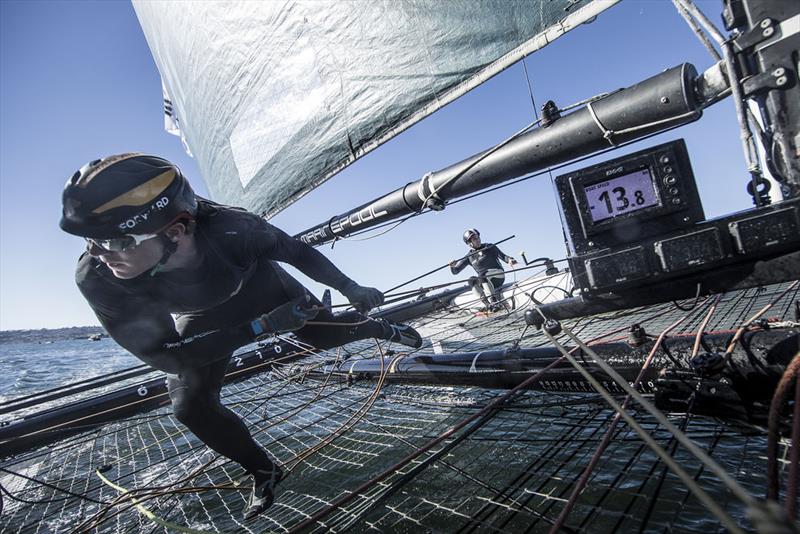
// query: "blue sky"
[[77, 82]]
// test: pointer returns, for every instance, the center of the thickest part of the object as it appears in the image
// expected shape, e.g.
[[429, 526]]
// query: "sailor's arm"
[[507, 259], [456, 266], [276, 244]]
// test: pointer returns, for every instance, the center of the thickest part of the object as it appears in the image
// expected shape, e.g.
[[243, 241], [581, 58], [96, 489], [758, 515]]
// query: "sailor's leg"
[[476, 283], [196, 404], [352, 326], [495, 282]]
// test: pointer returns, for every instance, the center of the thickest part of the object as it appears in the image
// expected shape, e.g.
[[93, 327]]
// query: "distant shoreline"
[[52, 334]]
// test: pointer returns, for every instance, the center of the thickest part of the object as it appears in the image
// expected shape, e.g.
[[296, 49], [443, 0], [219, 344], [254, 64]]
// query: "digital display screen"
[[621, 195]]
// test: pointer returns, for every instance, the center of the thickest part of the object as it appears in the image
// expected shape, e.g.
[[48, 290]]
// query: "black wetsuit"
[[187, 323], [486, 262]]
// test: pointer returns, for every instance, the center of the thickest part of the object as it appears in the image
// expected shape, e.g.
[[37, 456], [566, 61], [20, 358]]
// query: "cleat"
[[263, 493], [401, 333]]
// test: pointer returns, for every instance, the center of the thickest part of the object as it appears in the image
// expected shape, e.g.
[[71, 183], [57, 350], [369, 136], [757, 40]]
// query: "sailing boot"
[[263, 493], [400, 333]]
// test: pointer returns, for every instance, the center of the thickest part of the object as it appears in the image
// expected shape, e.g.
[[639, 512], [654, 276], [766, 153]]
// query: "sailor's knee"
[[474, 281], [187, 410]]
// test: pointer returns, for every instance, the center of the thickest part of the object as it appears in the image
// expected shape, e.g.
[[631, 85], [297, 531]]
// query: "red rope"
[[794, 459], [781, 391]]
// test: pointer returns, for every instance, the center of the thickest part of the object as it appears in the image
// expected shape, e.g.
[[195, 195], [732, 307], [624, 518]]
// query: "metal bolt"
[[780, 71], [766, 23], [686, 219], [768, 32], [781, 81], [591, 243], [664, 100]]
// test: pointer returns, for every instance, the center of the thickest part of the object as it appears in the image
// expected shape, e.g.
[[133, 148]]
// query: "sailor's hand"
[[287, 317], [512, 262], [452, 264], [362, 298]]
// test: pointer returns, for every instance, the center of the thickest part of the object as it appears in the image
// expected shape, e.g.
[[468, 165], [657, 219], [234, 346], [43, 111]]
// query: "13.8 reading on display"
[[621, 195]]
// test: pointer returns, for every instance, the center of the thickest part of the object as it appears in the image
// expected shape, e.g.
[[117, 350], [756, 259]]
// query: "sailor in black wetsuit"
[[485, 259], [182, 282]]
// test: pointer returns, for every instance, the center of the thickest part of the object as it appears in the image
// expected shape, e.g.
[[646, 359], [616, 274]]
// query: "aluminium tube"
[[655, 104]]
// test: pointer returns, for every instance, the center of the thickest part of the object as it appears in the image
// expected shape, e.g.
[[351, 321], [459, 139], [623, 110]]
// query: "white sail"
[[273, 98]]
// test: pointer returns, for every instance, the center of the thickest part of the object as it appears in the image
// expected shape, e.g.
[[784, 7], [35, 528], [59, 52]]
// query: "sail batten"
[[275, 98]]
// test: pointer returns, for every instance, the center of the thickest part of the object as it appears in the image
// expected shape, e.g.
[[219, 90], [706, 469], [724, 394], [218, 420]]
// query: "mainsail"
[[273, 98]]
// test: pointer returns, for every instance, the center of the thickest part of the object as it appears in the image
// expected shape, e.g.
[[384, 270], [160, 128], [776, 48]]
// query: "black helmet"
[[126, 194], [469, 234]]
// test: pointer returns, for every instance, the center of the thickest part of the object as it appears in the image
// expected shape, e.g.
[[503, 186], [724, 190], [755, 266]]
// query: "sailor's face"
[[131, 262], [475, 241]]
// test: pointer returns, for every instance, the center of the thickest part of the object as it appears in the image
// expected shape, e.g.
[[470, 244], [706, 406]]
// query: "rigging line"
[[746, 136], [411, 293], [74, 441], [176, 433], [782, 390], [715, 439], [403, 295], [186, 478], [520, 506], [521, 179], [698, 31], [140, 401], [536, 116], [348, 424], [48, 485], [737, 336], [147, 513], [794, 457], [501, 144], [148, 493], [134, 498], [731, 483], [566, 463], [341, 501], [689, 6], [702, 327], [203, 469], [694, 303], [442, 267], [632, 464], [548, 456], [405, 478], [584, 479]]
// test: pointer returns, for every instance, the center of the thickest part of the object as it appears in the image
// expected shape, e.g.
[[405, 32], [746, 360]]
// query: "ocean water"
[[37, 360]]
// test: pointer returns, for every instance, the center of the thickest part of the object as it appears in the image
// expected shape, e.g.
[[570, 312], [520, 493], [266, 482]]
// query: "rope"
[[706, 499], [740, 331], [147, 513], [581, 484], [702, 327], [781, 392]]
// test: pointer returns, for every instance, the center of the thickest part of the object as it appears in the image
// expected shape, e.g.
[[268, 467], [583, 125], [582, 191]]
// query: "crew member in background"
[[182, 282], [485, 259]]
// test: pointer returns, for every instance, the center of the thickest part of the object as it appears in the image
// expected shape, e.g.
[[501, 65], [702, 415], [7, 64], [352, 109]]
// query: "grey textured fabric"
[[272, 98]]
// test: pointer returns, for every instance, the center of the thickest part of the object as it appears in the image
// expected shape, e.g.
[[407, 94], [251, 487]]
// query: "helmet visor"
[[118, 244]]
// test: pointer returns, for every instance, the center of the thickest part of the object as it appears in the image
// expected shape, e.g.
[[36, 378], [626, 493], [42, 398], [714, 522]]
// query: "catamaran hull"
[[739, 390]]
